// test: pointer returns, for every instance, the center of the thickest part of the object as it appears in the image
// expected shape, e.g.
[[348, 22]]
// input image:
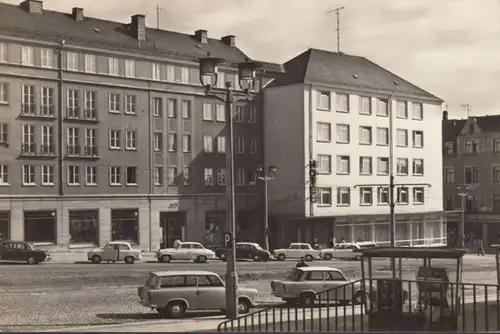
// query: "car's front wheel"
[[307, 299], [96, 259], [165, 258], [129, 260], [327, 257], [201, 259], [32, 260], [243, 306], [309, 258], [281, 257]]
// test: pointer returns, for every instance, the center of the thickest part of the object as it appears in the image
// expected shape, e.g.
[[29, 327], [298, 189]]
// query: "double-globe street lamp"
[[266, 176], [246, 75]]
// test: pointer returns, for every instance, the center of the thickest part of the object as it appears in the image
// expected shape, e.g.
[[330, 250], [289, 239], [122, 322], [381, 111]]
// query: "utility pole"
[[337, 13], [462, 192], [158, 10]]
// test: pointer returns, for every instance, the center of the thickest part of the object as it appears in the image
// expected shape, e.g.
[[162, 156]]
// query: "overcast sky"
[[448, 47]]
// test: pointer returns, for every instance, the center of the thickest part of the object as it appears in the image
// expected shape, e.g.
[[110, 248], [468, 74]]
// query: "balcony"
[[38, 151], [30, 110], [82, 152], [88, 115]]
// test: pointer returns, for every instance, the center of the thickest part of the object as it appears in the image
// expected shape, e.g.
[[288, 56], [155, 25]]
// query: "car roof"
[[318, 268], [247, 243], [299, 243], [182, 272], [118, 242], [190, 242]]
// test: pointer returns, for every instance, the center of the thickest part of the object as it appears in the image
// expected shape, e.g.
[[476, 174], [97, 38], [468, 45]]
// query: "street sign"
[[227, 239]]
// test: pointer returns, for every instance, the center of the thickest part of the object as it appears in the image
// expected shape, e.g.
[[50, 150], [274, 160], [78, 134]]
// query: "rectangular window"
[[496, 173], [365, 196], [252, 115], [240, 145], [402, 111], [129, 68], [47, 58], [4, 174], [4, 93], [73, 175], [418, 167], [157, 107], [418, 139], [28, 175], [27, 56], [4, 133], [90, 111], [114, 66], [114, 139], [417, 111], [471, 174], [383, 136], [403, 195], [186, 172], [156, 71], [221, 144], [324, 164], [382, 107], [91, 141], [402, 166], [221, 177], [172, 108], [496, 143], [365, 105], [343, 133], [47, 140], [73, 145], [365, 135], [449, 175], [73, 103], [131, 175], [28, 139], [365, 165], [402, 137], [3, 53], [239, 116], [90, 63], [208, 143], [383, 166], [47, 103], [186, 143], [186, 109], [253, 146], [72, 61], [208, 176], [131, 139], [91, 175], [343, 196], [472, 146], [220, 113], [240, 177], [448, 148], [324, 196], [114, 102], [130, 104], [47, 175], [157, 141], [221, 80], [342, 102], [172, 142], [323, 100], [207, 111], [158, 176], [343, 164], [170, 73], [28, 100], [418, 195], [324, 132], [114, 175], [382, 195], [185, 77]]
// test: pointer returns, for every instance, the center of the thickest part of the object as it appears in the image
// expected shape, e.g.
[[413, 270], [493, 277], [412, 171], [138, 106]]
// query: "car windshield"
[[30, 246], [152, 281], [258, 246], [294, 275]]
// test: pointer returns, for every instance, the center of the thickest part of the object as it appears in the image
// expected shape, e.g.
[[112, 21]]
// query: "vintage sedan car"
[[21, 251], [245, 251], [115, 251], [172, 293], [342, 251], [186, 251], [303, 285], [297, 250]]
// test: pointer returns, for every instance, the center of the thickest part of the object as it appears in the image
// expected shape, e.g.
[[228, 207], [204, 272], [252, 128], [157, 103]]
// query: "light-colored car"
[[186, 251], [172, 293], [342, 251], [304, 284], [115, 251], [297, 250]]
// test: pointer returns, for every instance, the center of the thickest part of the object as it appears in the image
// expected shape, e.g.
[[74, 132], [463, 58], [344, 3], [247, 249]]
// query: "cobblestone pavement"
[[68, 295]]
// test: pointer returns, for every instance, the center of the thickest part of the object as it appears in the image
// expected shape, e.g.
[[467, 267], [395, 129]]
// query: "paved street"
[[59, 295]]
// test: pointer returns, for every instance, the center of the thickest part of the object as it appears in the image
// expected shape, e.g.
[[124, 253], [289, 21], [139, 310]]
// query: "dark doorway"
[[125, 225], [173, 226], [40, 226], [4, 225], [84, 227]]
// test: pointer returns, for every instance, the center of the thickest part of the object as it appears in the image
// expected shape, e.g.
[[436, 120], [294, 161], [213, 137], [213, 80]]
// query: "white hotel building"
[[334, 108]]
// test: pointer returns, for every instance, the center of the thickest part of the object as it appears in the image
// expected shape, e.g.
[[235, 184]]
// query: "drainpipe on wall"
[[60, 121], [150, 166], [311, 143]]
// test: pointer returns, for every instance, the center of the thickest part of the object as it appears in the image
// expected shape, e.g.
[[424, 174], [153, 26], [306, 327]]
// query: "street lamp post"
[[246, 74], [266, 176], [462, 192]]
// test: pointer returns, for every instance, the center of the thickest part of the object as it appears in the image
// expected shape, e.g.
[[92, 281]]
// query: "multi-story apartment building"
[[108, 133], [471, 167], [337, 109]]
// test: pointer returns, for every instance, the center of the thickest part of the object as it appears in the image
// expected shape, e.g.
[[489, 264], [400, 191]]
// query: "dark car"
[[21, 251], [245, 251]]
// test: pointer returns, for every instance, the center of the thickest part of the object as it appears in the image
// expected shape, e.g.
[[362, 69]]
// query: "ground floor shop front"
[[425, 230], [484, 226], [85, 222]]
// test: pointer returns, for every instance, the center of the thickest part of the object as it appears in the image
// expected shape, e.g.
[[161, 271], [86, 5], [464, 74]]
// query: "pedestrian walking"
[[177, 242], [302, 263], [480, 248]]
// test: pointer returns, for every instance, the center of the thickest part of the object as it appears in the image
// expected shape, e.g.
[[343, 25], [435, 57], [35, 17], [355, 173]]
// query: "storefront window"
[[363, 232], [84, 227], [433, 231], [214, 227], [343, 231], [4, 225], [40, 226], [418, 233], [403, 234], [125, 225], [382, 234]]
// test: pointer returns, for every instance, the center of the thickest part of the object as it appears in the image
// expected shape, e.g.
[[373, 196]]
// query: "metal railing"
[[386, 305]]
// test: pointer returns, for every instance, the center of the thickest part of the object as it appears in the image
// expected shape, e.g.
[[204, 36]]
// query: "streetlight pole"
[[246, 74], [266, 176], [463, 188]]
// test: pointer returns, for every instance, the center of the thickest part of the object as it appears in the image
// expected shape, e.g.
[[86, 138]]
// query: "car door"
[[19, 252], [123, 251], [109, 252], [183, 253], [6, 252], [334, 281], [293, 251], [314, 281], [210, 293], [340, 251]]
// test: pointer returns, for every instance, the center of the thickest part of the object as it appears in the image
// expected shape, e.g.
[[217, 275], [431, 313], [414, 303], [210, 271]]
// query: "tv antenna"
[[158, 10], [468, 108], [337, 13]]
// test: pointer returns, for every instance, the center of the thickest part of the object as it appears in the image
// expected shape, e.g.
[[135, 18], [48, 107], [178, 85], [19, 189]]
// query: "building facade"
[[337, 111], [471, 166], [107, 134]]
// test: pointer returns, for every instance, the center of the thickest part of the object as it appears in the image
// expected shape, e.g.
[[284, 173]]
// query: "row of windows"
[[471, 174], [343, 165], [88, 63], [220, 113], [472, 203], [472, 146], [239, 144], [323, 102], [366, 196], [343, 135], [217, 176]]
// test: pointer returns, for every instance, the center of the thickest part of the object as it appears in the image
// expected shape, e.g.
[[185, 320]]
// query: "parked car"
[[115, 251], [186, 251], [342, 251], [297, 250], [21, 251], [303, 285], [245, 251], [172, 293]]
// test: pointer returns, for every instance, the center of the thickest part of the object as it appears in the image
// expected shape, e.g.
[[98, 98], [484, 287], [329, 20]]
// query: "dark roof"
[[452, 128], [91, 32], [489, 123], [324, 67], [414, 252]]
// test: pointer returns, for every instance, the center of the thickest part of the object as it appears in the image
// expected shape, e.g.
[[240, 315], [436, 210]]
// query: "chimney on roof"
[[201, 36], [229, 40], [77, 14], [32, 6], [138, 27], [445, 115]]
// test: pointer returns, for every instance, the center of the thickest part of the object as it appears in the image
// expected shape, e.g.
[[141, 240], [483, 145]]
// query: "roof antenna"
[[337, 13], [467, 108], [158, 10]]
